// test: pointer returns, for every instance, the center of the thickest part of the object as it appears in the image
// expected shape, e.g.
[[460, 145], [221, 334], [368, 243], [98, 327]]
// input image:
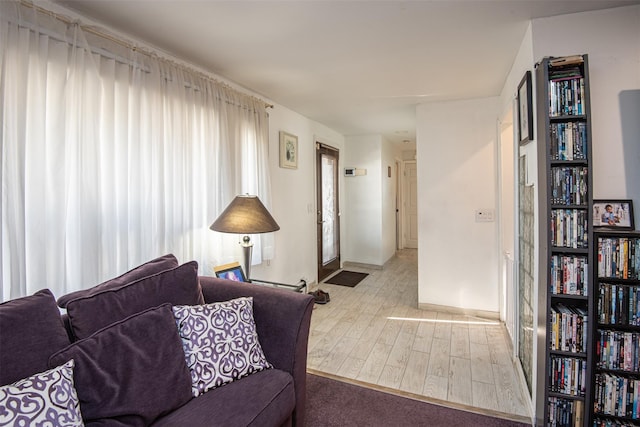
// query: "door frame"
[[399, 172], [325, 270]]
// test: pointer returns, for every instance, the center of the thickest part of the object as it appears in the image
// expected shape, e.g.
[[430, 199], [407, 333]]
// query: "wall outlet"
[[484, 215]]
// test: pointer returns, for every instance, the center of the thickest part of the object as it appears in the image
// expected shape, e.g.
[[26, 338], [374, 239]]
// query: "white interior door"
[[411, 205]]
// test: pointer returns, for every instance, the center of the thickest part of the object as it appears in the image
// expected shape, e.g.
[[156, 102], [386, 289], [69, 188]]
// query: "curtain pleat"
[[112, 157]]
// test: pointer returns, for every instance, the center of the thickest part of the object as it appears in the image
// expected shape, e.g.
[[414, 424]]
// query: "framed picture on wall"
[[613, 214], [525, 109], [288, 151]]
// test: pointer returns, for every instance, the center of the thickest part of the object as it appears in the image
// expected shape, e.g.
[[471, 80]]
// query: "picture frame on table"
[[613, 214], [232, 271], [525, 109], [288, 150]]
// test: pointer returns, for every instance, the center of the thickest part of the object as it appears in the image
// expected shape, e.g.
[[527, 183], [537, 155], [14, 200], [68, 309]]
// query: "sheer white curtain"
[[111, 157]]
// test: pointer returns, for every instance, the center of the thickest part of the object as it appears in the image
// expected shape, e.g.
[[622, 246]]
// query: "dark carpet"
[[336, 403], [346, 278]]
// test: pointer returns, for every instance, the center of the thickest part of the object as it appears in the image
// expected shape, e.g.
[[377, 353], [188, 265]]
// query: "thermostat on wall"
[[354, 172]]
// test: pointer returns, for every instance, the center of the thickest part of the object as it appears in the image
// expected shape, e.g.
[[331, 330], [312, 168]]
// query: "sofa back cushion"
[[178, 285], [154, 266], [31, 330], [131, 372]]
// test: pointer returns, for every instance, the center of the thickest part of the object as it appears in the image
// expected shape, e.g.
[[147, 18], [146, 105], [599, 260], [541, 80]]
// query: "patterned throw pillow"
[[45, 399], [220, 342]]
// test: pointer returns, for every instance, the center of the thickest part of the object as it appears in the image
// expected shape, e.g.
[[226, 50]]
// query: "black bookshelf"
[[565, 198], [616, 372]]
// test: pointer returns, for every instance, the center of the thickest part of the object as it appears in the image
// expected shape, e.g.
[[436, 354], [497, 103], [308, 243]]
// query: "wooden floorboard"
[[375, 334]]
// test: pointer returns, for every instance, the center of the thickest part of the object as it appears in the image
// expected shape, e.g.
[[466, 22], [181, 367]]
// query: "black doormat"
[[346, 278]]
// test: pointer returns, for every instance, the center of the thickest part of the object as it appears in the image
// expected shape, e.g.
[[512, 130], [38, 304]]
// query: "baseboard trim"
[[361, 265], [493, 315]]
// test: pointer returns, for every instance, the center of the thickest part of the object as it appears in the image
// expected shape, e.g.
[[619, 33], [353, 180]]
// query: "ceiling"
[[358, 67]]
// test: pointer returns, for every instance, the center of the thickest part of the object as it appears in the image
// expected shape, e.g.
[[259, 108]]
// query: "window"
[[112, 156]]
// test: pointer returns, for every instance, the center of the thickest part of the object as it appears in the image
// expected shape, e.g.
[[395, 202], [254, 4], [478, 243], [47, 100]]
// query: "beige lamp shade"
[[245, 215]]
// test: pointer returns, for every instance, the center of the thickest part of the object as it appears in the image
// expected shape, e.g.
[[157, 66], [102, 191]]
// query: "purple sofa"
[[129, 361]]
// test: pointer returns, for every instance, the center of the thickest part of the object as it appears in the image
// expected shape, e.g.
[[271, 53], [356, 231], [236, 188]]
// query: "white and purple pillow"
[[45, 399], [220, 342]]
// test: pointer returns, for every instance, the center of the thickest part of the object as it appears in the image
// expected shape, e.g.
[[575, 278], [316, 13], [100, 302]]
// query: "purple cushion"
[[31, 330], [147, 269], [178, 286], [265, 398], [131, 372]]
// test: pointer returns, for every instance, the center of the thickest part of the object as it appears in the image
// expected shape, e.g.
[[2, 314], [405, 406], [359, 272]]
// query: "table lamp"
[[245, 215]]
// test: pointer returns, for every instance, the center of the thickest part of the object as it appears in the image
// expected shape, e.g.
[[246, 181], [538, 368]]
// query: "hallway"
[[375, 334]]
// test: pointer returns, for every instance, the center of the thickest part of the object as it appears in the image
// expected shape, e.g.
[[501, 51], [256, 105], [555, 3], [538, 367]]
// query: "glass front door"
[[328, 213]]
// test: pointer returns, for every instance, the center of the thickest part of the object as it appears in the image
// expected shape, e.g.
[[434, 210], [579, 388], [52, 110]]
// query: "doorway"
[[328, 210]]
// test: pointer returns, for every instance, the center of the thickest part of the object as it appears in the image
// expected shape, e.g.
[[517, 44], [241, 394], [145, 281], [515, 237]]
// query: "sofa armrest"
[[282, 320]]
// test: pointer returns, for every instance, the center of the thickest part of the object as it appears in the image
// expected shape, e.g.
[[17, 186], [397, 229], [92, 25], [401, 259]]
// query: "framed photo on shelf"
[[288, 150], [613, 214], [231, 271], [525, 110]]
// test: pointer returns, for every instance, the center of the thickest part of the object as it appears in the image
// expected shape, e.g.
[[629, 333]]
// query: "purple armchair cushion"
[[149, 268], [31, 330], [131, 372], [220, 343], [45, 399], [178, 285]]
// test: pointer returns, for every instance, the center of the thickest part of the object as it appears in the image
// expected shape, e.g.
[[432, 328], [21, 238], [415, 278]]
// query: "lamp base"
[[247, 251]]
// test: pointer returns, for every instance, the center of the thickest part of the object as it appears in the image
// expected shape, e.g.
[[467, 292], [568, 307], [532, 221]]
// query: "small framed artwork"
[[231, 271], [288, 151], [525, 110], [613, 214]]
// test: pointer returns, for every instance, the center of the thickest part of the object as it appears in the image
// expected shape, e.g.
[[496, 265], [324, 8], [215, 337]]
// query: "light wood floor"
[[375, 334]]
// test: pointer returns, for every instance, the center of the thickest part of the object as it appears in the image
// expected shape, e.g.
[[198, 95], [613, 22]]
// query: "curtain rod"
[[128, 45]]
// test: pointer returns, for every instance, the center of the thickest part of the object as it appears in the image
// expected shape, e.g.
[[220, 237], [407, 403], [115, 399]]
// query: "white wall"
[[363, 200], [457, 256], [611, 38], [293, 198], [369, 209], [506, 223]]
